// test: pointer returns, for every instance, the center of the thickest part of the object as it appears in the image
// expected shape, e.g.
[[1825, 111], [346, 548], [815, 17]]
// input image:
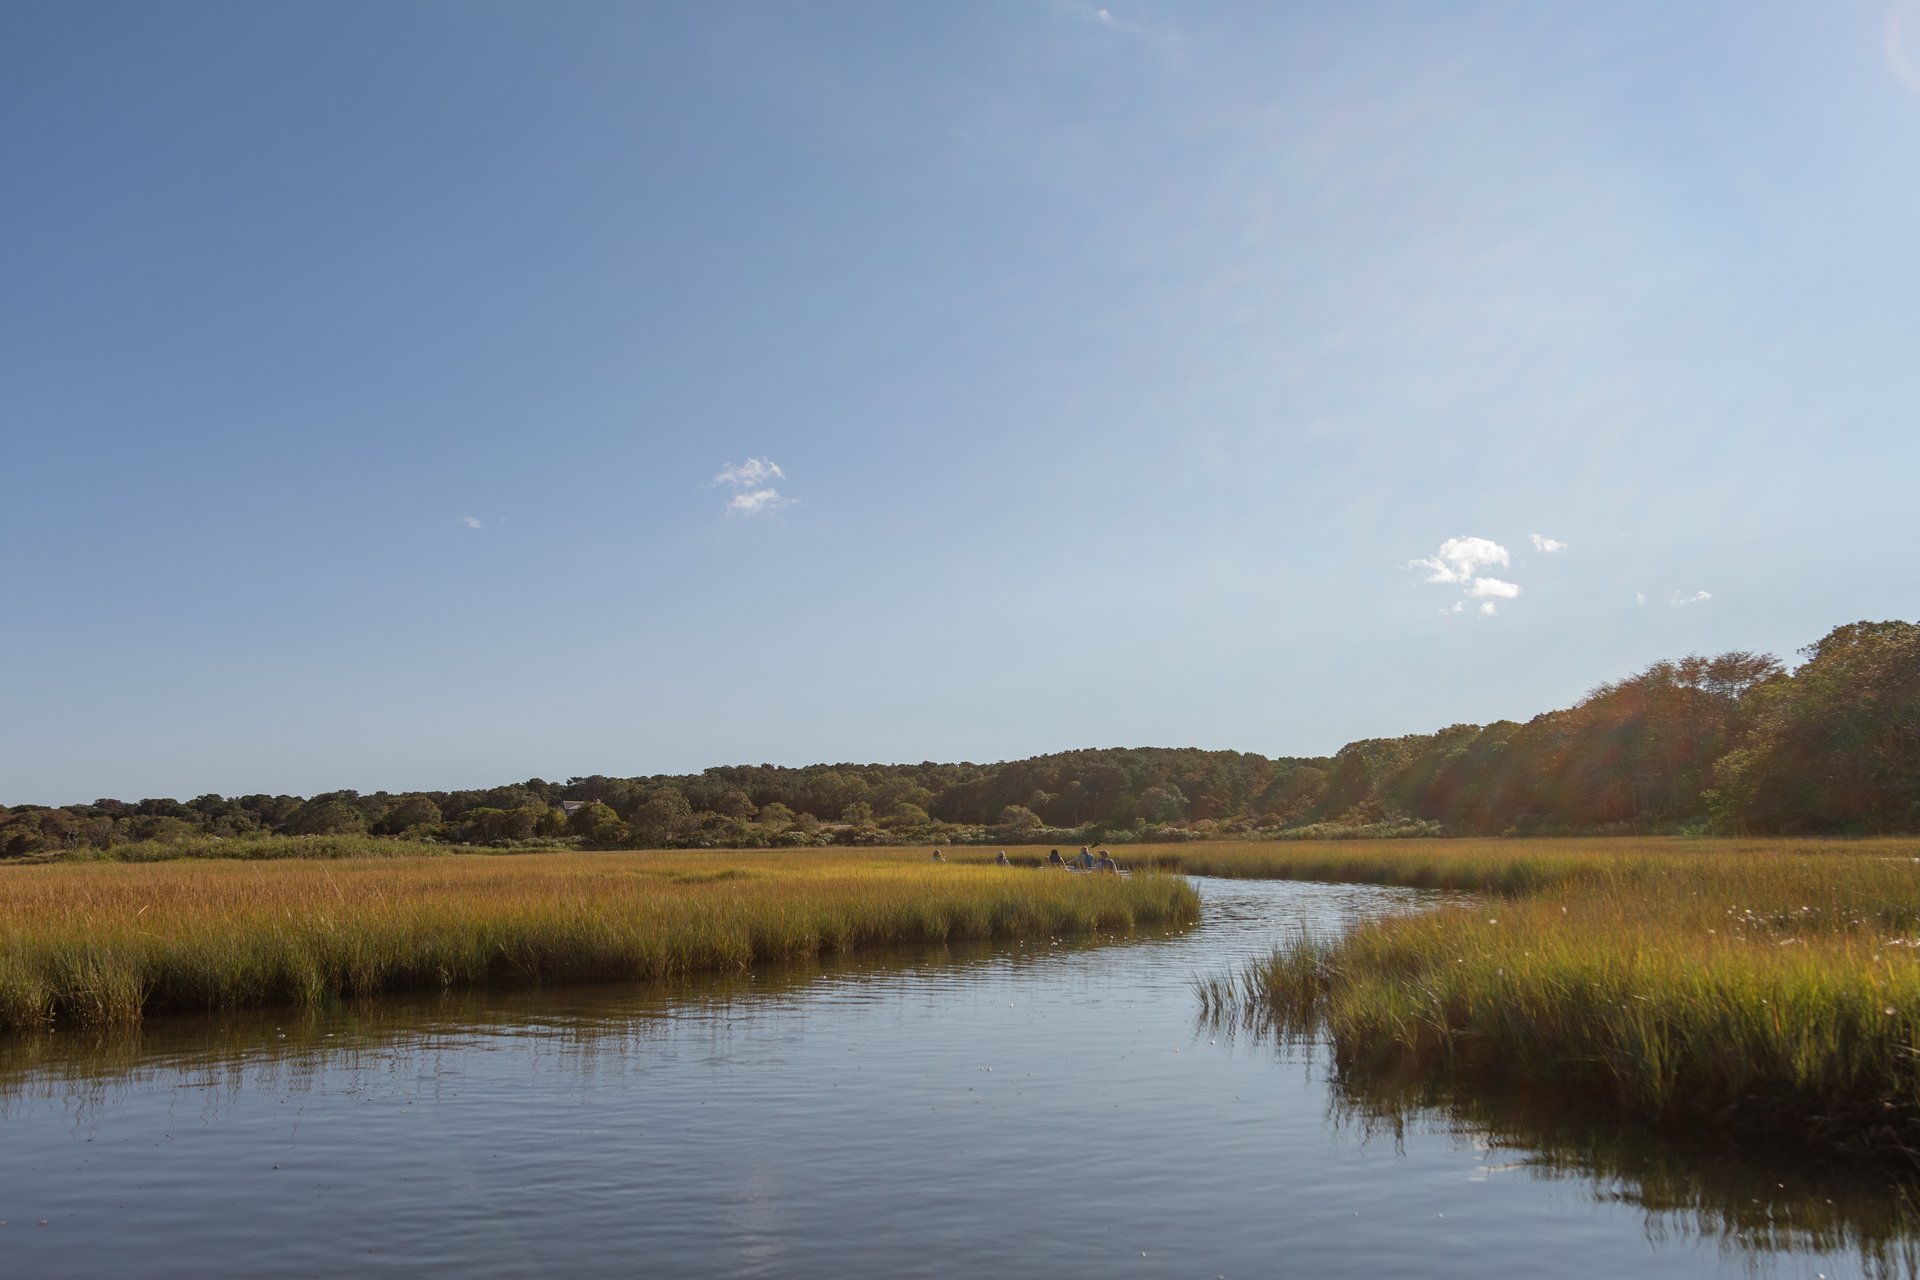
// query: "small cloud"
[[756, 496], [1458, 563], [472, 522], [1548, 545], [1639, 597], [756, 502], [749, 473], [1681, 602], [1459, 558], [754, 471], [1100, 14]]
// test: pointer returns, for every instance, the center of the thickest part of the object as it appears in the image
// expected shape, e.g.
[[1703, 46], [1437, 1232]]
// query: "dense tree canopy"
[[1734, 742]]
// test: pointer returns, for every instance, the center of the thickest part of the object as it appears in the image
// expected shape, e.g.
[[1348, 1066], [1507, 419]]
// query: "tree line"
[[1731, 743]]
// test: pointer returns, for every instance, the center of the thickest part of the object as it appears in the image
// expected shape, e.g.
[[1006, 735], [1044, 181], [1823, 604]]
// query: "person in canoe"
[[1000, 859], [936, 857], [1106, 862], [1085, 859], [1054, 859]]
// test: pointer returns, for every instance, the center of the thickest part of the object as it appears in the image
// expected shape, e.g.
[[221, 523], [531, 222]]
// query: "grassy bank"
[[1768, 988], [1506, 867], [104, 944], [248, 849]]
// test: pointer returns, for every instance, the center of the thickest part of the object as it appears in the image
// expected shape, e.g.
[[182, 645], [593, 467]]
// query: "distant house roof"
[[568, 806]]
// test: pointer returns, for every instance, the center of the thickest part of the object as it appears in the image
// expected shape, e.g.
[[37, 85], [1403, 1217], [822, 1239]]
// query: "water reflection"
[[1752, 1207], [607, 1026]]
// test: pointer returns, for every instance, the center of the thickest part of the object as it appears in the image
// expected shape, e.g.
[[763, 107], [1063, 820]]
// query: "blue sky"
[[367, 371]]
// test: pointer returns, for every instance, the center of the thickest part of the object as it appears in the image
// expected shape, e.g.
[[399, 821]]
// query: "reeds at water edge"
[[1766, 988], [105, 944]]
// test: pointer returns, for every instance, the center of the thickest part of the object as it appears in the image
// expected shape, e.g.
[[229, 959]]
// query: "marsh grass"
[[252, 848], [1770, 988], [1506, 867], [104, 944]]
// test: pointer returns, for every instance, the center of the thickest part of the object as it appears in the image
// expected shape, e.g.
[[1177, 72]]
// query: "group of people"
[[1082, 861]]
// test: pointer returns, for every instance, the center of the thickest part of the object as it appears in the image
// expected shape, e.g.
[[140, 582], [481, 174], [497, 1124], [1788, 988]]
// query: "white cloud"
[[1639, 597], [1682, 602], [1458, 563], [757, 501], [1459, 558], [472, 522], [1086, 11], [1548, 545], [756, 495], [754, 471]]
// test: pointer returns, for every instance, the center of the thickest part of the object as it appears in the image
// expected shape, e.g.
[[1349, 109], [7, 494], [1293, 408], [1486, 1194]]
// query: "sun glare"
[[1902, 38]]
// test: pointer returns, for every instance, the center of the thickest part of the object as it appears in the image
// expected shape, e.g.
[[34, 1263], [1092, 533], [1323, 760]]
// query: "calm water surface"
[[1034, 1110]]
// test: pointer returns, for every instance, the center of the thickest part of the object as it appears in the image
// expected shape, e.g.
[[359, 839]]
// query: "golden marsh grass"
[[1763, 986], [102, 944]]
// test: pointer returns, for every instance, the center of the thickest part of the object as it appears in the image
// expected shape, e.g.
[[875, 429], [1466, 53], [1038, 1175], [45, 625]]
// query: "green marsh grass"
[[103, 944], [1769, 988]]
